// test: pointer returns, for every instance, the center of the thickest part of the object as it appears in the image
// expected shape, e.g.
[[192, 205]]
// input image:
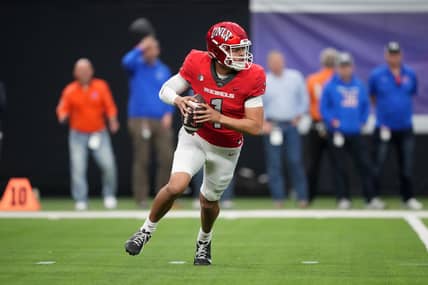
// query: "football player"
[[231, 86]]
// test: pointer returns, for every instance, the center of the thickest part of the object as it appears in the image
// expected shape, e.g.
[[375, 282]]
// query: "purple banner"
[[302, 36]]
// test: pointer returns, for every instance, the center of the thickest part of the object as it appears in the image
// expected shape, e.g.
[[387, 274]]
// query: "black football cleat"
[[203, 253], [135, 244]]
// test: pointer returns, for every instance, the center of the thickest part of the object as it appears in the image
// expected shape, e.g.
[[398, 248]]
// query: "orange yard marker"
[[19, 196]]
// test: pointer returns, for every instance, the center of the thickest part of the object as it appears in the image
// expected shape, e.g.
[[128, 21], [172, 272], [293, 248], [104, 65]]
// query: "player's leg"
[[188, 159], [165, 198], [161, 205], [226, 201], [209, 213], [218, 173]]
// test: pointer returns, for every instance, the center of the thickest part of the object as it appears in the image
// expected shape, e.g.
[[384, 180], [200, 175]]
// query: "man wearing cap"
[[345, 108], [149, 119], [392, 87]]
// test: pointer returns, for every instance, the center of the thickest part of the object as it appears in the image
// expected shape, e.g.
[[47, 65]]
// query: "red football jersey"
[[227, 96]]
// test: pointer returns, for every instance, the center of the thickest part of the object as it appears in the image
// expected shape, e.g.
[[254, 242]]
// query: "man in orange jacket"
[[317, 134], [86, 103]]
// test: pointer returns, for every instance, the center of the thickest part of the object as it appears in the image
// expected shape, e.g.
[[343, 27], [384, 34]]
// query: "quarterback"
[[230, 86]]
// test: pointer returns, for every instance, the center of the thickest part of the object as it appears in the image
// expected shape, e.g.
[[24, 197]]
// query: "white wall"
[[338, 6]]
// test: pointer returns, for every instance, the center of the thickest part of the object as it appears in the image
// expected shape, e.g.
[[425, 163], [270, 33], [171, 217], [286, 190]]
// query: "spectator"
[[392, 86], [318, 134], [345, 109], [2, 111], [285, 101], [86, 102], [149, 119]]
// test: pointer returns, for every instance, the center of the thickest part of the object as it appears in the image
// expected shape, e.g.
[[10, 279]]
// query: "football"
[[188, 121]]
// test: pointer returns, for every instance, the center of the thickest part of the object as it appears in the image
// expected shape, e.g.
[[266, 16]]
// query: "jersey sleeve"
[[259, 83], [187, 70]]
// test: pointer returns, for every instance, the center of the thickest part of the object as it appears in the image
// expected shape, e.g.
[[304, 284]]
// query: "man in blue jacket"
[[149, 119], [345, 108], [392, 87]]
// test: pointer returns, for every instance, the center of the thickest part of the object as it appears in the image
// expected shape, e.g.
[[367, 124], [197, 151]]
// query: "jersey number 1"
[[217, 104]]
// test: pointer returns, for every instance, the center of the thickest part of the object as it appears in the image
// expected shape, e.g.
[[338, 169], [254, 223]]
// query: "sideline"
[[226, 214], [419, 227]]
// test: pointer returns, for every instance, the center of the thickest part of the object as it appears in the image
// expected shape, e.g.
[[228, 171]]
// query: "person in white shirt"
[[285, 101]]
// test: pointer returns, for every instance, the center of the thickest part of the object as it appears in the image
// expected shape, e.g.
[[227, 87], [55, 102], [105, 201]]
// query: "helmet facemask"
[[238, 56]]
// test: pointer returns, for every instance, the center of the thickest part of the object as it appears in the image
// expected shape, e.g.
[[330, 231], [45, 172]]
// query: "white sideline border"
[[225, 214], [411, 217], [419, 227]]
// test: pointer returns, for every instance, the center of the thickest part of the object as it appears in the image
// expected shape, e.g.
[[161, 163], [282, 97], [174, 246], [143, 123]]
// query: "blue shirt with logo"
[[394, 105], [145, 82], [347, 102]]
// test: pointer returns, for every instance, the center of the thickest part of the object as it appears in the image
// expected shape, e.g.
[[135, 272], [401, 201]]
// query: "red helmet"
[[229, 44]]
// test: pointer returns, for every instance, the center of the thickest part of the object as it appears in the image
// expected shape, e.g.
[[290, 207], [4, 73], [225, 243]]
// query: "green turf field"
[[245, 251]]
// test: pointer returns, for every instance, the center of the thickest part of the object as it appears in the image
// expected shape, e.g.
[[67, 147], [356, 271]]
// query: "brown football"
[[188, 122]]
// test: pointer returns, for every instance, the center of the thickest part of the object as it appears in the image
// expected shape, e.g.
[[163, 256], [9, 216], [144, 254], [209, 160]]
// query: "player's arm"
[[171, 91], [251, 123]]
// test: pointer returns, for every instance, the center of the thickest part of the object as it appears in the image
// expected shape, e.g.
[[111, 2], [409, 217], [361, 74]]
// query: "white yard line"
[[227, 214], [419, 227], [411, 217]]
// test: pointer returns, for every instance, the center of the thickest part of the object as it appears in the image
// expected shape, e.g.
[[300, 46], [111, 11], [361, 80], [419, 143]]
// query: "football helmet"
[[228, 43]]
